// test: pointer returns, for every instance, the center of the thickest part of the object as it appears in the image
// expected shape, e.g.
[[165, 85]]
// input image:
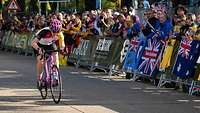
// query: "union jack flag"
[[134, 45], [185, 47], [148, 62]]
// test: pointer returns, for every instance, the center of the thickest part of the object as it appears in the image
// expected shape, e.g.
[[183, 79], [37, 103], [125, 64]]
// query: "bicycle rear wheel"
[[56, 84]]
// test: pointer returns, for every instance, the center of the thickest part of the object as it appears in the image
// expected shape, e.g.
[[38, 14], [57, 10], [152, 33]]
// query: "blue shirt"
[[164, 29]]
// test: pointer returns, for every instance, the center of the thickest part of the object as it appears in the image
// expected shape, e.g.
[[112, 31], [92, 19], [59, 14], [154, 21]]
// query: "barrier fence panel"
[[17, 42], [107, 53], [85, 51], [97, 52], [3, 40], [83, 54], [119, 57], [6, 38], [102, 54], [21, 43]]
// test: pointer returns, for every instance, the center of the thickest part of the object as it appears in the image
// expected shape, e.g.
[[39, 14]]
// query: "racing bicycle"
[[51, 78]]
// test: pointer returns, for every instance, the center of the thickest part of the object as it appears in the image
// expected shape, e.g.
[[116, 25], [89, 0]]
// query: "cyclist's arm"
[[37, 38], [34, 43]]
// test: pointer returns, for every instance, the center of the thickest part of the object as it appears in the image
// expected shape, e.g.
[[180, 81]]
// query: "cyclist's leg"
[[39, 62], [39, 67], [55, 58]]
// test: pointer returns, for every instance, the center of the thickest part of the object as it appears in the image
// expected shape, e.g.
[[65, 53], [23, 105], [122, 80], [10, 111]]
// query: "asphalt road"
[[84, 92]]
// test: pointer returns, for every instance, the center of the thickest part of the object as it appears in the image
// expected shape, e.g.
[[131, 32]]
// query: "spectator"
[[31, 26], [151, 22], [119, 26], [146, 4], [135, 4]]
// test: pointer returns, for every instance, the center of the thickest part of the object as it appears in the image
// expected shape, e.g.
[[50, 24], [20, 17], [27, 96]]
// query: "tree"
[[109, 4]]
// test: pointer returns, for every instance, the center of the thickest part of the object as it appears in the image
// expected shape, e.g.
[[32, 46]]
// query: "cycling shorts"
[[45, 47]]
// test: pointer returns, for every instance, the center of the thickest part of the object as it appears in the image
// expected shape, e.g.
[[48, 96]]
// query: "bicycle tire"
[[55, 84]]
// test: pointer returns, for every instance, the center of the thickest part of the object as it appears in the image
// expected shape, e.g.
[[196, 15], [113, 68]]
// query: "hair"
[[136, 19], [181, 7]]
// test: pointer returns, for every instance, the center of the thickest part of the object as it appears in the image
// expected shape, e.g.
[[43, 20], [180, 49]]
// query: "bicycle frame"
[[48, 63]]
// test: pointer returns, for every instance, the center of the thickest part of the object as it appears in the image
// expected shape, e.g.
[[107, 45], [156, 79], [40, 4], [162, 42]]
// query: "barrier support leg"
[[135, 77], [77, 64], [110, 71], [92, 67], [160, 81], [191, 87], [178, 83]]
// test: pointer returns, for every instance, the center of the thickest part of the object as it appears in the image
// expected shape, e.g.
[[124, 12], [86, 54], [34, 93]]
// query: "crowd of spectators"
[[118, 23]]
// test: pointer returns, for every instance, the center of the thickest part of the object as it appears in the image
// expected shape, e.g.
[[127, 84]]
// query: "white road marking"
[[155, 93], [196, 100], [148, 91], [182, 100]]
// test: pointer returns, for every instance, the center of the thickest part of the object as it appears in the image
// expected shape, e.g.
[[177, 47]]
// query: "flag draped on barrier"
[[187, 57], [134, 54], [149, 62], [167, 55]]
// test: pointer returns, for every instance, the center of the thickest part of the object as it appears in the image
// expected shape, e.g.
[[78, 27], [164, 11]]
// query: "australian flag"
[[150, 61], [134, 53], [186, 59]]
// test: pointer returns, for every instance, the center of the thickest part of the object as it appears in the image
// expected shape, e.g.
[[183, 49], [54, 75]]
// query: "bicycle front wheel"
[[55, 84]]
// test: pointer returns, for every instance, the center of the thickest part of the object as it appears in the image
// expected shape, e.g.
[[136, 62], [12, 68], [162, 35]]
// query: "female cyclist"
[[47, 39]]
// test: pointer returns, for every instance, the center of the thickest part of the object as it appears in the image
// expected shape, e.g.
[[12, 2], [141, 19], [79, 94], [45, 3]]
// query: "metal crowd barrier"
[[97, 53], [19, 43]]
